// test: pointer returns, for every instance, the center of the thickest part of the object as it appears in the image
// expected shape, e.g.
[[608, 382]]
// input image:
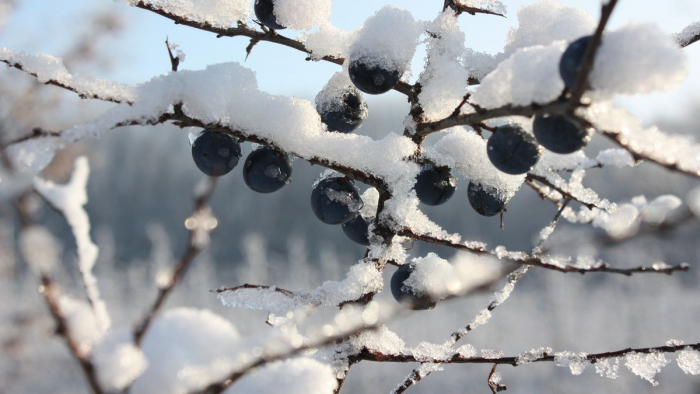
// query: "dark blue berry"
[[485, 201], [404, 294], [357, 230], [347, 115], [559, 134], [513, 150], [435, 185], [215, 154], [335, 200], [571, 60], [372, 79], [266, 171], [265, 12]]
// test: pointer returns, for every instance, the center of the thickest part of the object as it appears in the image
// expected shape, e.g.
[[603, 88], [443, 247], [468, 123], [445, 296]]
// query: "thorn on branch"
[[174, 60], [251, 45]]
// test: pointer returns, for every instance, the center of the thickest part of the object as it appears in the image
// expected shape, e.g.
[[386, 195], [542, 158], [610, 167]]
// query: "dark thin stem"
[[567, 195], [193, 249], [368, 355], [174, 61]]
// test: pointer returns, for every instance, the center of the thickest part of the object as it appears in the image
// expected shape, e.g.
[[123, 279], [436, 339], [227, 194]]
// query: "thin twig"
[[174, 60], [193, 249]]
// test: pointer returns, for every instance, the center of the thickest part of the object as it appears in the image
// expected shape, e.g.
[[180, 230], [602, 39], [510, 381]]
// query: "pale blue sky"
[[41, 26]]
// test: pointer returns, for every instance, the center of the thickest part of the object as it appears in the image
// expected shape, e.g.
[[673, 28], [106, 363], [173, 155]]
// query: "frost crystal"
[[575, 362], [327, 40], [467, 351], [533, 355], [491, 354], [684, 37], [646, 366], [214, 12], [689, 361], [605, 368]]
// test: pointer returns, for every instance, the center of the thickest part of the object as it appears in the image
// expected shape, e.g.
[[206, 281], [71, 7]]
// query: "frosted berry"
[[513, 150], [335, 200], [266, 171], [404, 294], [485, 201], [215, 154], [559, 134], [357, 230], [345, 116], [265, 12], [372, 79], [435, 185], [570, 63]]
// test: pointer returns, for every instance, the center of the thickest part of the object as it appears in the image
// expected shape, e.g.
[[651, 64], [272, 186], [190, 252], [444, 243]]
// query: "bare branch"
[[194, 247], [50, 292], [174, 60], [459, 8], [539, 262]]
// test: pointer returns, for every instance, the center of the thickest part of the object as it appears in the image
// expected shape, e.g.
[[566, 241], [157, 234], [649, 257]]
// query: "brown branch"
[[369, 355], [538, 262], [532, 177], [50, 293], [64, 86], [193, 249], [590, 53], [36, 133], [460, 8], [174, 60], [495, 387]]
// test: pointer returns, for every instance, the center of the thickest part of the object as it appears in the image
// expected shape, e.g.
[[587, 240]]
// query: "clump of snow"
[[214, 12], [332, 96], [381, 340], [616, 158], [646, 366], [657, 211], [465, 151], [480, 64], [491, 354], [370, 198], [605, 368], [490, 5], [547, 21], [81, 321], [689, 361], [388, 39], [32, 155], [466, 351], [295, 376], [444, 80], [179, 53], [575, 362], [40, 249], [49, 68], [327, 40], [426, 369], [302, 14], [186, 349], [431, 351], [687, 35], [529, 75], [533, 355], [621, 224], [117, 360], [69, 199], [638, 58]]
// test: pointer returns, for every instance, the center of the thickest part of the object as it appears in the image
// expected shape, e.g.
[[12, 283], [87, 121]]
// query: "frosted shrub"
[[558, 66]]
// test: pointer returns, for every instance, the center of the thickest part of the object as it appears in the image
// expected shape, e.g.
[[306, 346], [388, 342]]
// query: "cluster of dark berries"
[[265, 170]]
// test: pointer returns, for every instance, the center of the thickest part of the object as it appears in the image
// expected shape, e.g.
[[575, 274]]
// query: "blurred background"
[[142, 179]]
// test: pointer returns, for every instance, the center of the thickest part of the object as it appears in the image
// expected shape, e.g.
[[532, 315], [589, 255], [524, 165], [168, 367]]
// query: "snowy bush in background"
[[474, 117]]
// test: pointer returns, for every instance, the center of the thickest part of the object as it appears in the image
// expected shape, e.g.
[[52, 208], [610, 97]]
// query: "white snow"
[[214, 12], [81, 321], [331, 97], [387, 39], [547, 21], [489, 5], [117, 360], [575, 362], [638, 58], [533, 355], [689, 361], [686, 35], [327, 40], [69, 199], [295, 376], [381, 340], [693, 201], [187, 349], [444, 80], [529, 75], [302, 14], [49, 68], [432, 276], [32, 155], [605, 368], [646, 366]]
